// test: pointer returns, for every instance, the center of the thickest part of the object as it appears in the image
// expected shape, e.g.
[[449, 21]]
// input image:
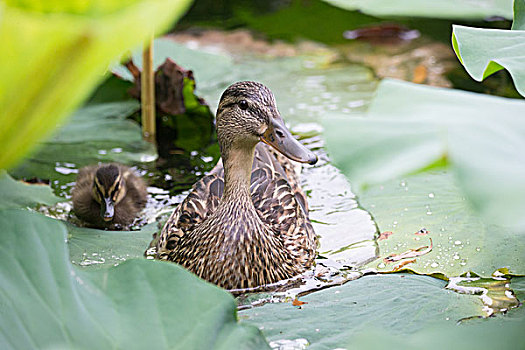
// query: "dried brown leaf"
[[297, 302], [412, 253], [385, 235]]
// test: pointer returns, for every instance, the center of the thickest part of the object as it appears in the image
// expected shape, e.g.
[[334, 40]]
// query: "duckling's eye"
[[243, 105]]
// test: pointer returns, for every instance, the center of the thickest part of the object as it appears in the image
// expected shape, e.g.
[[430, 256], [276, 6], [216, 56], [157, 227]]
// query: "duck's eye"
[[243, 105]]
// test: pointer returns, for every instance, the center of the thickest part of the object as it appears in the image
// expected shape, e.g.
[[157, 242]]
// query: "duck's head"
[[108, 189], [247, 114]]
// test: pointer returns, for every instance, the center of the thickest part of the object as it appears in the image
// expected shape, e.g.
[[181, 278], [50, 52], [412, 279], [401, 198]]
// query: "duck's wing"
[[85, 177], [281, 203], [83, 204], [291, 172], [202, 200]]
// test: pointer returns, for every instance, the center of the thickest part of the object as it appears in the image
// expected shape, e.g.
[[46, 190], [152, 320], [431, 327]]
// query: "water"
[[495, 292], [286, 344], [306, 89]]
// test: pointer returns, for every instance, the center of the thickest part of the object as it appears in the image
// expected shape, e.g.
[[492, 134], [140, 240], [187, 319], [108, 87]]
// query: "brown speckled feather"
[[279, 244]]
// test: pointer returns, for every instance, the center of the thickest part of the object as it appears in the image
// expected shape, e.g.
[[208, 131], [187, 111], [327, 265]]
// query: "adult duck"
[[245, 224]]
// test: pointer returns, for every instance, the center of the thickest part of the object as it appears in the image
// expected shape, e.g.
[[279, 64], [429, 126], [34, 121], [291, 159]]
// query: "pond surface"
[[309, 81]]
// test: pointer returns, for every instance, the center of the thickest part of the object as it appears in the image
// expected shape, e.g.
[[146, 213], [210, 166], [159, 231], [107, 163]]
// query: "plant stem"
[[148, 93]]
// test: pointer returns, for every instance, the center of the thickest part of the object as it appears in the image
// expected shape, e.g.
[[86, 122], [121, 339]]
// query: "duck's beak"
[[279, 137], [108, 209]]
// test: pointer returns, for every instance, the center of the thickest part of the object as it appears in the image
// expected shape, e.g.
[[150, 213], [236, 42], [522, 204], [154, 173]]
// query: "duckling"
[[108, 196], [245, 224]]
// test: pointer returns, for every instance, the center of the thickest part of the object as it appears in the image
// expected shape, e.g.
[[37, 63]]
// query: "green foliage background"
[[55, 52]]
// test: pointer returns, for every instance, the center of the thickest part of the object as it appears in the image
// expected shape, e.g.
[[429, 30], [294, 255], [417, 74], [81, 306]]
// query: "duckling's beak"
[[279, 137], [108, 209]]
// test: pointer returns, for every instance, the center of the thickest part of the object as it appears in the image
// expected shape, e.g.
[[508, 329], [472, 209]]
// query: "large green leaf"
[[452, 9], [472, 334], [486, 51], [411, 127], [55, 53], [462, 242], [519, 15], [101, 249], [96, 133], [48, 303], [398, 305], [16, 194], [293, 21], [206, 75], [99, 123], [478, 335]]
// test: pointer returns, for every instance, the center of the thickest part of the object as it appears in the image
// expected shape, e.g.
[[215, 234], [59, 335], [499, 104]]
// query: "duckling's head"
[[247, 114], [108, 189]]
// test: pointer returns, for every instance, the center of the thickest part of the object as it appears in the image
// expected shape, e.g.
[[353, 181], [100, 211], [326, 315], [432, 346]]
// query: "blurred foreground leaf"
[[48, 303], [449, 9], [55, 52], [410, 128], [486, 51]]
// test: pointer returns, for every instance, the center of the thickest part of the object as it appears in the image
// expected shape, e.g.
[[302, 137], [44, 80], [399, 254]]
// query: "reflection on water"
[[66, 168], [346, 231], [495, 292], [295, 344], [326, 273]]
